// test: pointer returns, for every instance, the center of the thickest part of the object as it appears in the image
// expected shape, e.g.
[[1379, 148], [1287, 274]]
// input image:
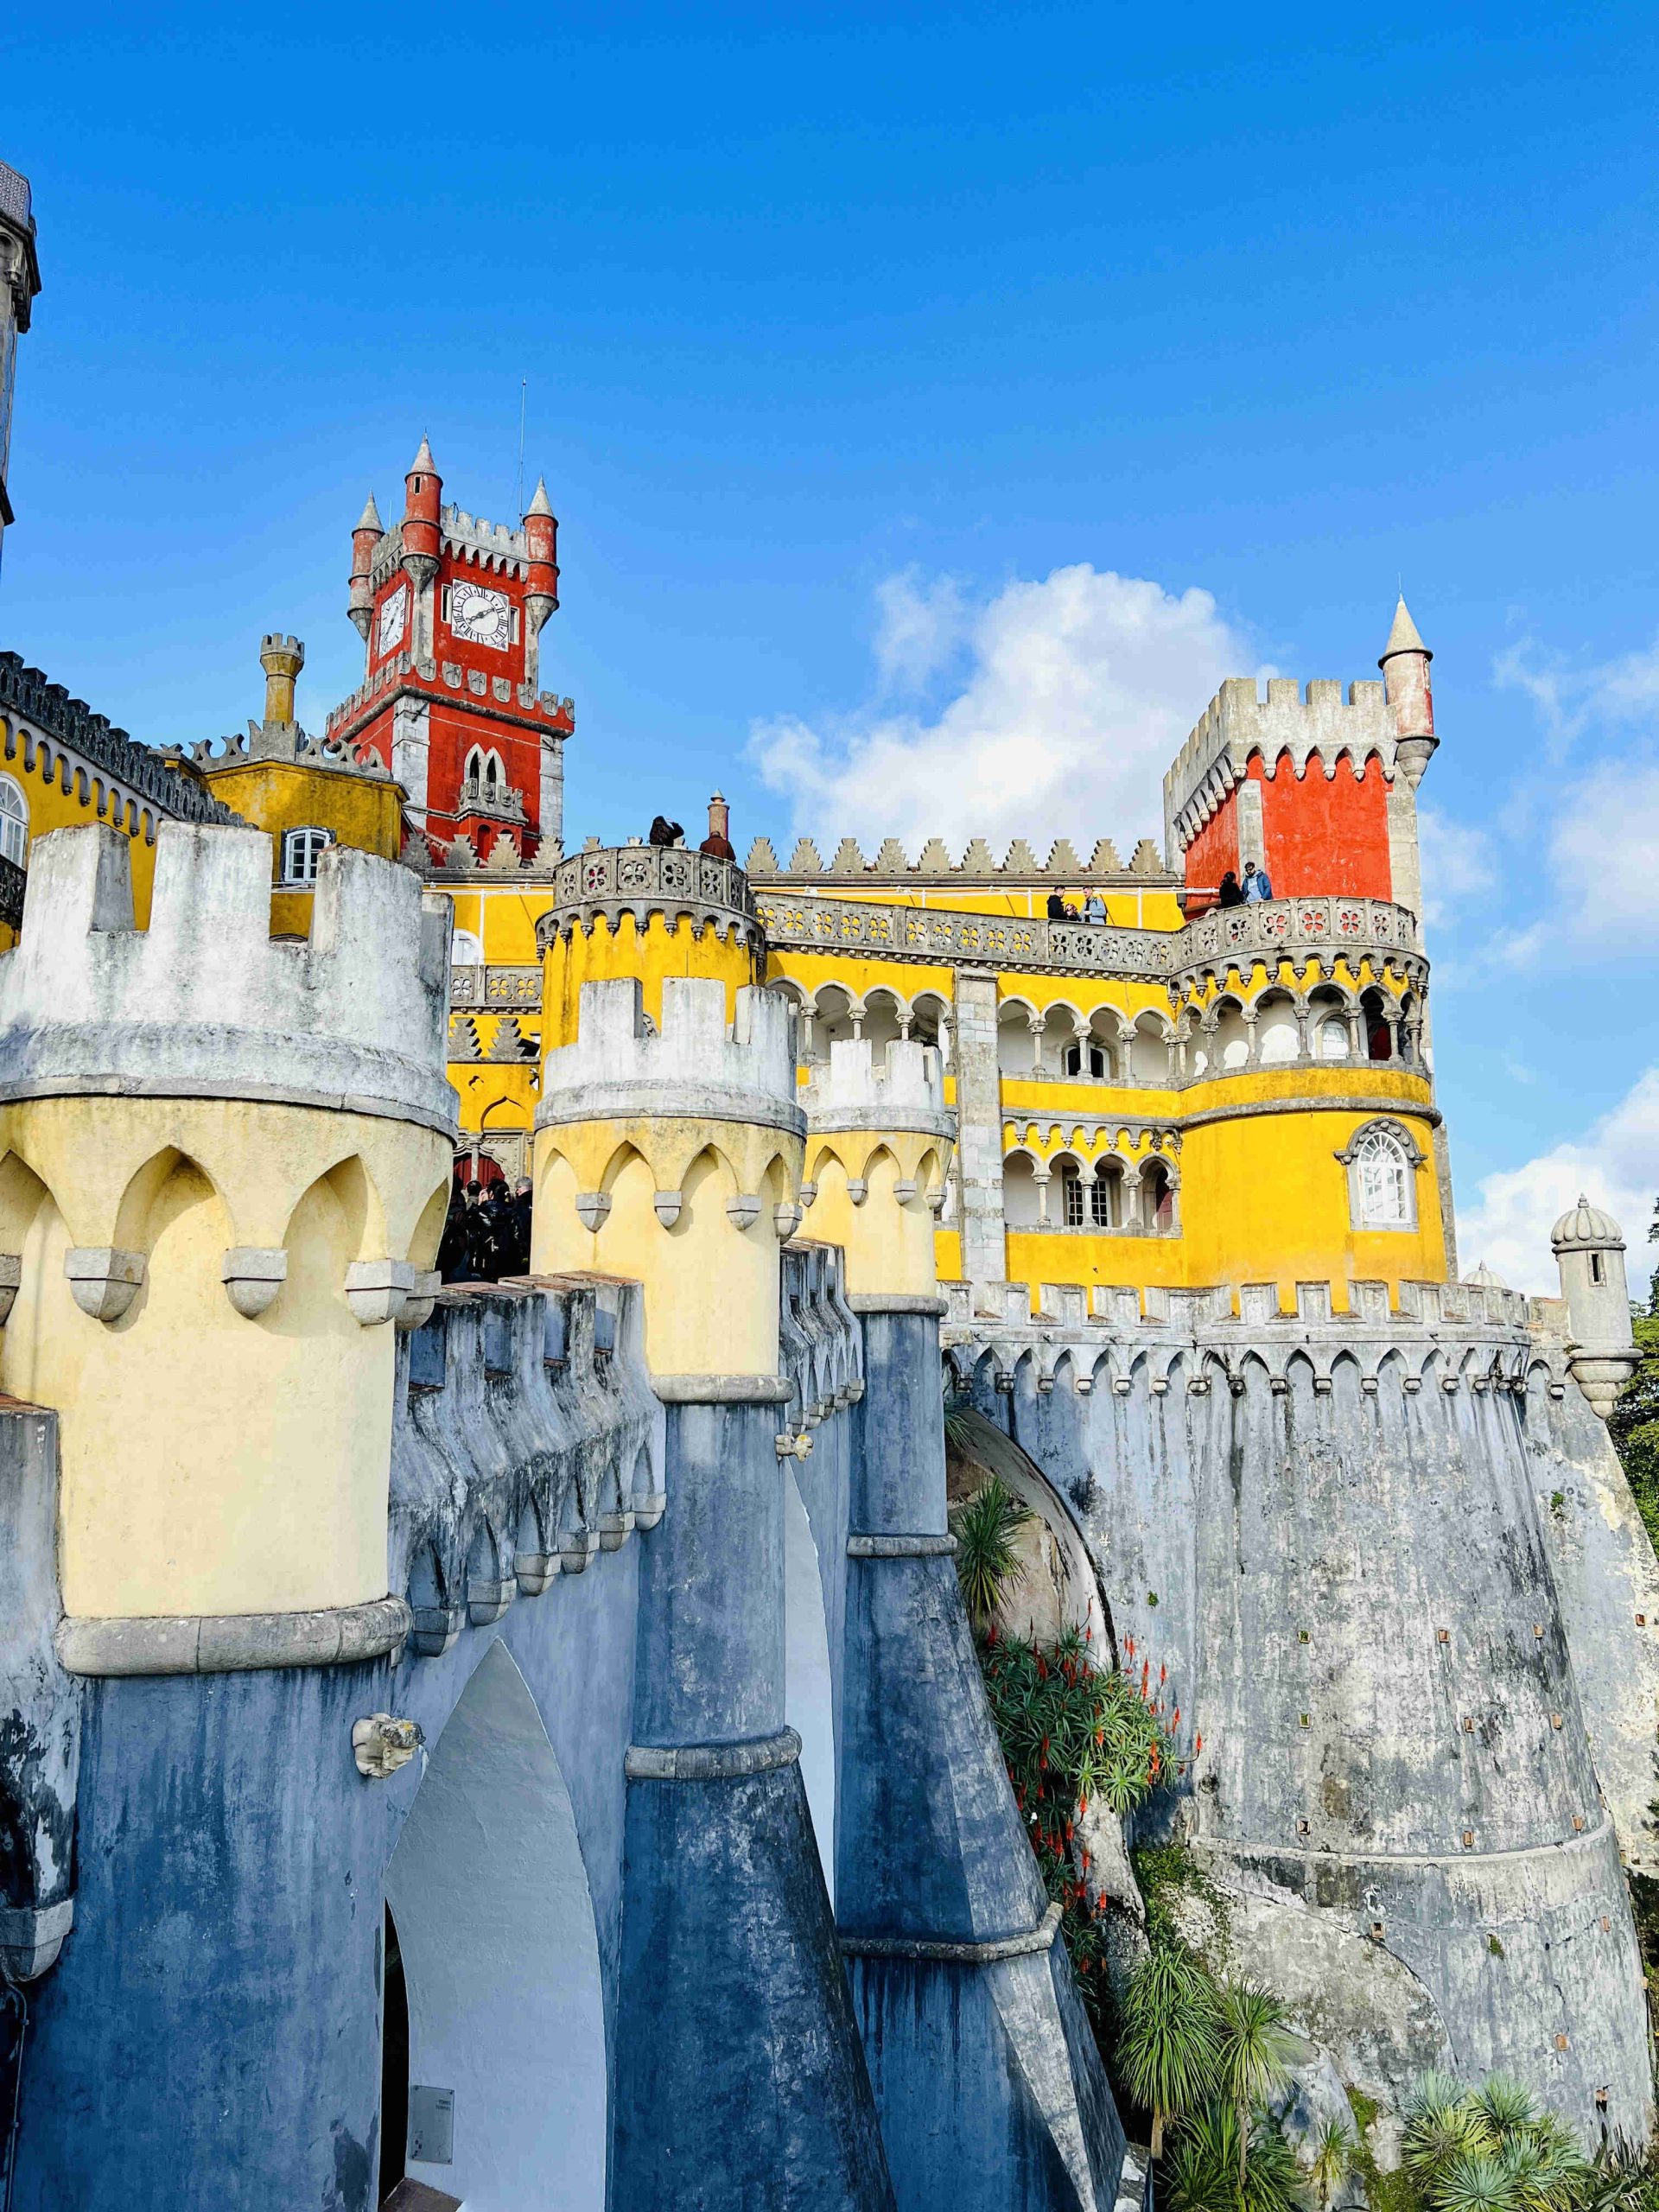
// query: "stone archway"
[[500, 1960]]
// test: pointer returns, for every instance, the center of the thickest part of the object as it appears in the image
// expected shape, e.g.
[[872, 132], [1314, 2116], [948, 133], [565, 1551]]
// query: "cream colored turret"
[[879, 1143], [226, 1160], [1589, 1250], [672, 1154]]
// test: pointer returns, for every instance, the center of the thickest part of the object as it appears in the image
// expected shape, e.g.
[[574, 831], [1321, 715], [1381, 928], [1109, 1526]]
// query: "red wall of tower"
[[1325, 835], [1215, 850]]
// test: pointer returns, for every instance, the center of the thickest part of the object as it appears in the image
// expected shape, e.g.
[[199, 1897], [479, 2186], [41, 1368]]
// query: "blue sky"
[[900, 369]]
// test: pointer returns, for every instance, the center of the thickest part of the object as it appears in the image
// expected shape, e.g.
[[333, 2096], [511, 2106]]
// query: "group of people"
[[1254, 887], [1060, 908], [486, 1232]]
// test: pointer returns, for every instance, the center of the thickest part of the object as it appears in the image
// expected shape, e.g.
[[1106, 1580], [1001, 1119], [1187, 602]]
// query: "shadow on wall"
[[1056, 1587]]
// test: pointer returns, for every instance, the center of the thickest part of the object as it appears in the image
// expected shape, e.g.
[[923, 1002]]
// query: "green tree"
[[1211, 2152], [1331, 2161], [1168, 2048], [1255, 2047], [987, 1564], [1634, 1419]]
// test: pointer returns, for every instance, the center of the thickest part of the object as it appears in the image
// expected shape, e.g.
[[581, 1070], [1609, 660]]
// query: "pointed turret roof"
[[1404, 638], [370, 518], [424, 459], [541, 505]]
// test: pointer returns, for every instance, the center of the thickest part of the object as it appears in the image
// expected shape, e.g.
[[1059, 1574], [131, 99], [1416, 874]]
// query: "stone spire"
[[370, 518], [1404, 638], [541, 505], [1404, 663]]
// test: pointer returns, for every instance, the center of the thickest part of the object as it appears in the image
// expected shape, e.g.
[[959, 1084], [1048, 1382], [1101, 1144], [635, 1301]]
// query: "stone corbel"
[[649, 1507], [576, 1547], [744, 1210], [788, 1216], [253, 1275], [807, 1193], [667, 1205], [857, 1189], [31, 1936], [11, 1277], [904, 1190], [422, 1296], [936, 1200], [103, 1281], [593, 1210], [379, 1291]]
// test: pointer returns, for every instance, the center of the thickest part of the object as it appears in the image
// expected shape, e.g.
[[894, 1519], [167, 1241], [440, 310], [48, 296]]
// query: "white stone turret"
[[699, 1067], [203, 1004], [1590, 1254], [854, 1090]]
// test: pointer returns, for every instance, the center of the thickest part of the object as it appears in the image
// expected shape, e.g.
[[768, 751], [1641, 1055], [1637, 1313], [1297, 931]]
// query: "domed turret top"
[[1584, 1227]]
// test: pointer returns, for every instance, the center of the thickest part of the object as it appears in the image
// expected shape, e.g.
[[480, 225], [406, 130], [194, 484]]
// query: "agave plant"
[[987, 1564], [1256, 2046], [1167, 2049]]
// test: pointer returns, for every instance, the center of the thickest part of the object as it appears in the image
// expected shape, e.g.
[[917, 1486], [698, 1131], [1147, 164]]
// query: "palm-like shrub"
[[1330, 2161], [1167, 2046], [1254, 2049], [987, 1564], [1216, 2164]]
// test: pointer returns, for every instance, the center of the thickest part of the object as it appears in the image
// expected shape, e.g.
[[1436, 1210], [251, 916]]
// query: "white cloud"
[[1457, 864], [1076, 694], [1604, 852], [1615, 1164], [1568, 700]]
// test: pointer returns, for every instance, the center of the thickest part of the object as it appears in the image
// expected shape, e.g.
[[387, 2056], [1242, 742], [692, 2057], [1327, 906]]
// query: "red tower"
[[451, 609]]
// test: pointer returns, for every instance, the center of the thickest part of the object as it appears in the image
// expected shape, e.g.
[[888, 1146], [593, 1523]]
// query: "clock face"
[[394, 618], [481, 617]]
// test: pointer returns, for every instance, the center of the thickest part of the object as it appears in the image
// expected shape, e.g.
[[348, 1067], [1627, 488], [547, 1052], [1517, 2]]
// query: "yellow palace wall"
[[1261, 1196], [53, 807]]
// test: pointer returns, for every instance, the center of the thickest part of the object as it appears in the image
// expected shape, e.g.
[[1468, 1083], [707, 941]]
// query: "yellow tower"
[[878, 1148], [226, 1167]]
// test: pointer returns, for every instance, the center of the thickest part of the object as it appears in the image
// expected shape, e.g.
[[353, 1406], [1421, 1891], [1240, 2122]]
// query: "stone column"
[[739, 2076], [979, 1130]]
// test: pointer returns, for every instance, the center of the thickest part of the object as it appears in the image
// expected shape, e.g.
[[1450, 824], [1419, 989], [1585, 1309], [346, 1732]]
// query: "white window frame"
[[300, 861], [13, 822], [1364, 1145]]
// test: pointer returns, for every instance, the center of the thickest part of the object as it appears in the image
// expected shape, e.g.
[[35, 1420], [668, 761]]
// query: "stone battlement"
[[1349, 1307], [203, 1003], [1239, 721], [608, 881], [978, 863], [697, 1067], [900, 1087], [495, 545]]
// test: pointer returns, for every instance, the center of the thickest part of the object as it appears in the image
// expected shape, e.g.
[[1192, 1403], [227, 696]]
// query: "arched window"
[[1381, 1161], [1333, 1038], [302, 851], [465, 950], [1087, 1060], [14, 822]]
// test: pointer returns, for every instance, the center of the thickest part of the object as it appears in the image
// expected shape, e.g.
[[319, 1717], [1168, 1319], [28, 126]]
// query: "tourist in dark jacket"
[[1230, 895]]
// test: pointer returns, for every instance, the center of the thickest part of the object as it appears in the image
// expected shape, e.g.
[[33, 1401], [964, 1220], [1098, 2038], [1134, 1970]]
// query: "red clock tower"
[[451, 609]]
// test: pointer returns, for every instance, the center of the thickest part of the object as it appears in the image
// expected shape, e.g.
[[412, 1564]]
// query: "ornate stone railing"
[[479, 797], [643, 880], [495, 988], [1322, 925]]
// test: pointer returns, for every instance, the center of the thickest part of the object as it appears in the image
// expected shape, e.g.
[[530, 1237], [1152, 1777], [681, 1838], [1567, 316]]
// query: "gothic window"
[[302, 851], [1086, 1059], [1382, 1163], [1333, 1039], [465, 950], [13, 822]]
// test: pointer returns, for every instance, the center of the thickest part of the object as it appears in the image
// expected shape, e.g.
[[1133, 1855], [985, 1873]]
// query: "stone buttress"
[[671, 1152], [991, 2087], [1350, 1548], [224, 1173]]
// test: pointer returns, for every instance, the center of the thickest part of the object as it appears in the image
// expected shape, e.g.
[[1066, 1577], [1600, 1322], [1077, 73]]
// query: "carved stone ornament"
[[667, 1205], [744, 1210], [380, 1745], [379, 1291], [788, 1216], [593, 1208], [252, 1275], [103, 1281]]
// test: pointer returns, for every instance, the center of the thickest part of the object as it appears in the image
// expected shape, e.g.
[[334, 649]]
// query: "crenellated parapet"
[[878, 1145], [527, 1443], [671, 1152], [225, 1167]]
